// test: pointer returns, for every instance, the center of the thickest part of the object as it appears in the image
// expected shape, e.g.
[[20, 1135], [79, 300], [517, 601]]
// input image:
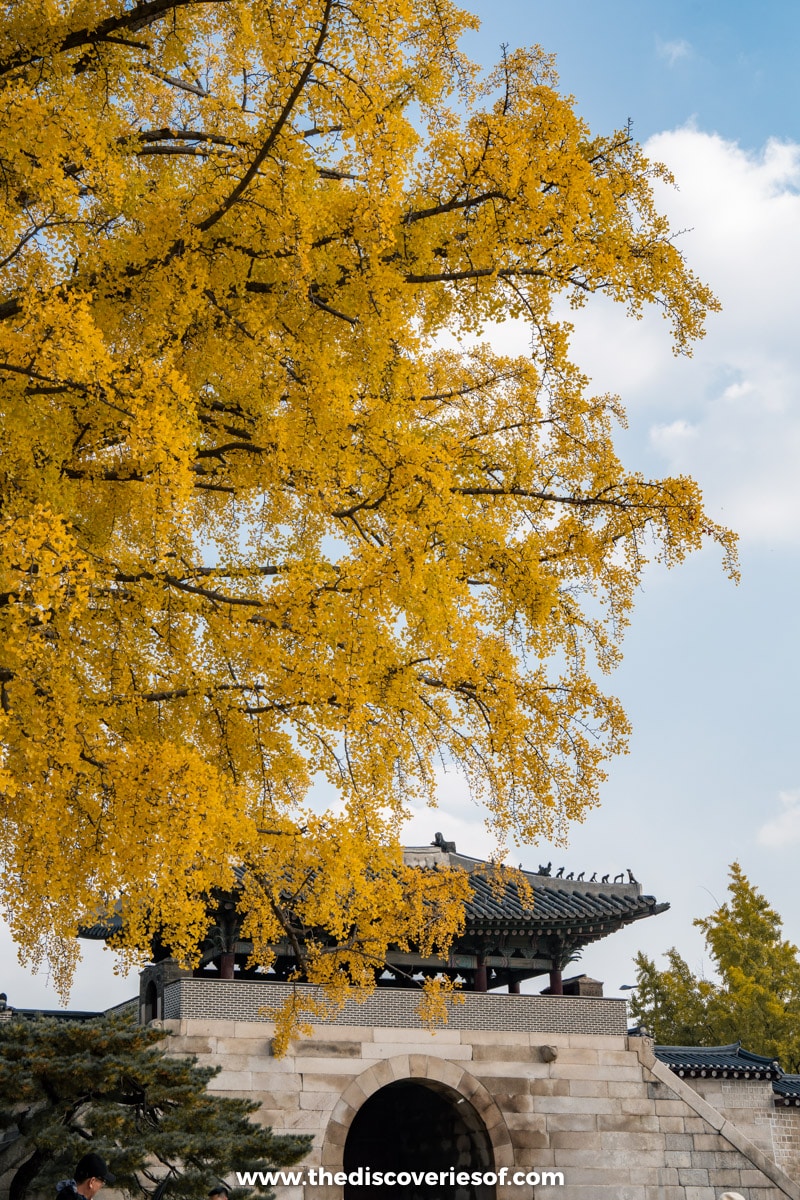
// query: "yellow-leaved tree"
[[271, 512]]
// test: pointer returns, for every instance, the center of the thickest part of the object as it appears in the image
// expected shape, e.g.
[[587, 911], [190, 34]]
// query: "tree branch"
[[134, 19], [275, 132]]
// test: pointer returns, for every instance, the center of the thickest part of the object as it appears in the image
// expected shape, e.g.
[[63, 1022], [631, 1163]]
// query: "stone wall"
[[598, 1108], [750, 1105]]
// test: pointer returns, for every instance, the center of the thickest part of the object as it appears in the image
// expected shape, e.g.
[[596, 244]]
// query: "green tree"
[[757, 998], [107, 1085]]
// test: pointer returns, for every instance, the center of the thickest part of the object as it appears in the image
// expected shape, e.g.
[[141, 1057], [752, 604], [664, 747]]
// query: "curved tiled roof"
[[729, 1061], [555, 907], [566, 911], [787, 1090], [723, 1062]]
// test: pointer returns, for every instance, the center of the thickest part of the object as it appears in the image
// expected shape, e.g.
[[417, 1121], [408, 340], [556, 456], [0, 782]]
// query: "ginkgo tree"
[[272, 511]]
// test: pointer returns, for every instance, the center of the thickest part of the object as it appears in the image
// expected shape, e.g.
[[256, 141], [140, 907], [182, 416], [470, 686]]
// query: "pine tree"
[[757, 998], [107, 1085]]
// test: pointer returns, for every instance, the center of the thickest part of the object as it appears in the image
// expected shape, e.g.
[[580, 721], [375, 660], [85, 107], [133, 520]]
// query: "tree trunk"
[[25, 1175]]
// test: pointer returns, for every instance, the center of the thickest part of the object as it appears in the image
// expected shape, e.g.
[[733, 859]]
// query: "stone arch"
[[438, 1073]]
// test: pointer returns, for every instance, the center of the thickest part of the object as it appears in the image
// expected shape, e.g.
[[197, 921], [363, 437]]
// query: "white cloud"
[[672, 437], [729, 416], [783, 830], [674, 51]]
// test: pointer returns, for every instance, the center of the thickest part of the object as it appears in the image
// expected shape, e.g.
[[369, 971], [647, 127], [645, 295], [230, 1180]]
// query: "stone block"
[[572, 1122], [721, 1178], [582, 1140], [260, 1047], [504, 1084], [377, 1076], [202, 1027], [233, 1081], [588, 1177], [487, 1052], [678, 1158], [312, 1048], [622, 1074], [595, 1041], [529, 1139], [573, 1104], [708, 1159], [613, 1161], [513, 1102], [300, 1121], [389, 1049], [537, 1122], [619, 1058], [430, 1037], [600, 1191], [671, 1108], [497, 1037], [319, 1101], [638, 1106], [581, 1055], [695, 1124], [548, 1087], [628, 1123], [349, 1033], [193, 1044], [693, 1176], [343, 1112], [590, 1087], [679, 1141], [265, 1075], [533, 1158], [667, 1124], [628, 1090], [708, 1141], [343, 1068], [636, 1142], [276, 1100], [329, 1082], [336, 1133], [248, 1029]]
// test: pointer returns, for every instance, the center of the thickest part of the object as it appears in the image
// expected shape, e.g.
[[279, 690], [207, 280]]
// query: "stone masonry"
[[597, 1107]]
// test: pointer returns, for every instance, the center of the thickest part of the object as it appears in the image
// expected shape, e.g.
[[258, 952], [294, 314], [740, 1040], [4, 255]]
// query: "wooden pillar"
[[481, 978], [556, 984], [513, 986], [226, 964]]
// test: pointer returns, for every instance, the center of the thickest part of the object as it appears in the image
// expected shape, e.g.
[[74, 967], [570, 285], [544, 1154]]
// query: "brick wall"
[[240, 1000]]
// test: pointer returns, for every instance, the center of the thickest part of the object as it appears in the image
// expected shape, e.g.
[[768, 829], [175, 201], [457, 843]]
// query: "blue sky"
[[731, 67], [710, 674]]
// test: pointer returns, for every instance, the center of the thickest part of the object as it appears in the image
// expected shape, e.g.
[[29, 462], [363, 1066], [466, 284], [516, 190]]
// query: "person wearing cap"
[[91, 1174]]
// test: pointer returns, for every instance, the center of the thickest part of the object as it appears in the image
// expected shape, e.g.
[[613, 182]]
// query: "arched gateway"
[[416, 1113], [410, 1130]]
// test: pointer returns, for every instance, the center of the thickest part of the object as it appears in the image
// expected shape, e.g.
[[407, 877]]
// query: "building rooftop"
[[519, 924], [727, 1062], [731, 1062]]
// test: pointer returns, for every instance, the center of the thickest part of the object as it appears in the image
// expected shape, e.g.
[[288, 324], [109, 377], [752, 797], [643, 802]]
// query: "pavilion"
[[519, 925]]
